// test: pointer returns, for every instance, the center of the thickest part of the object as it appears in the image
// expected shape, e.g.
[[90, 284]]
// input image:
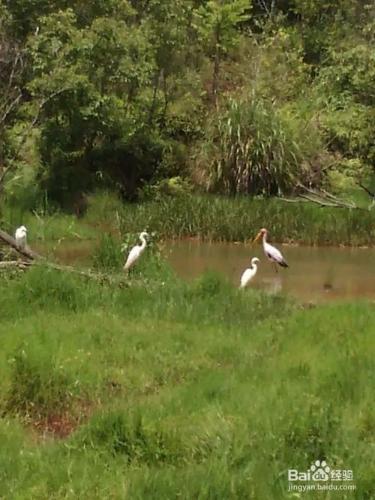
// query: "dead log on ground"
[[20, 264], [25, 252], [325, 199], [36, 258]]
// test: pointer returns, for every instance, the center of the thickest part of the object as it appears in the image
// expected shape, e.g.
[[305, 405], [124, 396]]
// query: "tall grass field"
[[147, 387], [238, 219]]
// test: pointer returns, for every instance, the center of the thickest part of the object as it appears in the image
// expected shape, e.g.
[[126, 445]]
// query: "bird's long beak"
[[257, 237]]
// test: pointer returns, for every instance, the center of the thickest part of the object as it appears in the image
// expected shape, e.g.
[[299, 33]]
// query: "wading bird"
[[273, 254], [249, 273], [20, 237], [136, 252]]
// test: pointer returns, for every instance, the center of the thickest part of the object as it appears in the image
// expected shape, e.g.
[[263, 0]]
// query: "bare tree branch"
[[294, 200], [263, 5], [321, 202], [24, 135], [370, 193], [325, 198], [20, 264], [35, 257], [10, 108]]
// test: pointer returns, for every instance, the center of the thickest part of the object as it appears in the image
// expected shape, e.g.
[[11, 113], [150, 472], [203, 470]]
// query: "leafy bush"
[[174, 186], [345, 84]]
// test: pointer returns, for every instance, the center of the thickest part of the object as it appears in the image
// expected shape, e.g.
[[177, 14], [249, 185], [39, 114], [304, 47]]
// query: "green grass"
[[174, 390], [47, 228]]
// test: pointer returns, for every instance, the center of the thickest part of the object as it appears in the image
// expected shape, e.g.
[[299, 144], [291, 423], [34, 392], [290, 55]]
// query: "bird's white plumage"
[[21, 236], [271, 252], [249, 273], [136, 252]]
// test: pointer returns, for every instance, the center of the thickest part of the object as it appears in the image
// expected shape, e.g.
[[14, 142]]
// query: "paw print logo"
[[320, 471]]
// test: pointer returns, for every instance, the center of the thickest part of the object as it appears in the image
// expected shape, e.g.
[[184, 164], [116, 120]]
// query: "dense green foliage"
[[166, 389], [235, 96]]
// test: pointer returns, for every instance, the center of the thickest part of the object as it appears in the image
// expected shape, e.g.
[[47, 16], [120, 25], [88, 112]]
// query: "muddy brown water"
[[315, 273]]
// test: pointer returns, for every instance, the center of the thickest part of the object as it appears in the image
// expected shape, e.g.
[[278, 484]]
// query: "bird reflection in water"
[[273, 285]]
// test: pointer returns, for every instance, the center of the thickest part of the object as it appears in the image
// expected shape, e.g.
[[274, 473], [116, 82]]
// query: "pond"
[[315, 273]]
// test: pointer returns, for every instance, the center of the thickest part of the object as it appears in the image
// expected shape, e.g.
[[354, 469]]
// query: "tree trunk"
[[215, 78], [154, 94], [216, 70]]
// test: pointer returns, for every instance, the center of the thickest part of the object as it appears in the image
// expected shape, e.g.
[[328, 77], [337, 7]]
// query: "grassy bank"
[[171, 390], [238, 219], [207, 217]]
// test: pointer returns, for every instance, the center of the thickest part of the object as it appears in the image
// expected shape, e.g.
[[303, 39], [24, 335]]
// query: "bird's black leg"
[[275, 266]]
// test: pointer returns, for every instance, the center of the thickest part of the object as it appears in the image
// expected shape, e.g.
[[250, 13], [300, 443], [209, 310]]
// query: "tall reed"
[[252, 147], [238, 218]]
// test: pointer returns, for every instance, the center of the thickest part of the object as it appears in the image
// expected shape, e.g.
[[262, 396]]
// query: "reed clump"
[[220, 218]]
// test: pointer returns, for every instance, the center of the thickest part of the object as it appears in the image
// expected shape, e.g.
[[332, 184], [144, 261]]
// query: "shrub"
[[250, 148]]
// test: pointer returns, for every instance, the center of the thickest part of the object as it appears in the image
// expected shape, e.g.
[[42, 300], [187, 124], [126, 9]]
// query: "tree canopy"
[[233, 96]]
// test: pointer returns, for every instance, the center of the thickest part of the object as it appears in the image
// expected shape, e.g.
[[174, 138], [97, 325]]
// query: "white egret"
[[20, 237], [136, 252], [249, 273], [271, 252]]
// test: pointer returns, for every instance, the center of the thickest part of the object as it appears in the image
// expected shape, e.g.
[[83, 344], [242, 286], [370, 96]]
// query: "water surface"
[[315, 273]]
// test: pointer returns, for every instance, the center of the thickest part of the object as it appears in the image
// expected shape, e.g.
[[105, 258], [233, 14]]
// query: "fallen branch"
[[35, 257], [21, 264], [26, 133], [320, 202], [325, 199], [85, 274], [293, 200], [370, 193], [25, 252]]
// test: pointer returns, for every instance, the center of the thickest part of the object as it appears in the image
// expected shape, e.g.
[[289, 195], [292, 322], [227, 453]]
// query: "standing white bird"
[[249, 273], [136, 252], [20, 237], [273, 254]]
